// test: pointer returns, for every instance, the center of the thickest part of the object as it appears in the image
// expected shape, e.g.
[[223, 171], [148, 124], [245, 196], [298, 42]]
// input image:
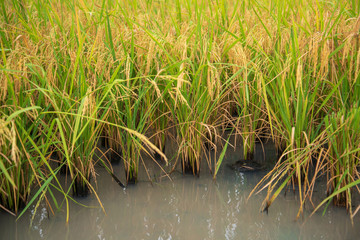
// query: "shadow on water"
[[184, 208]]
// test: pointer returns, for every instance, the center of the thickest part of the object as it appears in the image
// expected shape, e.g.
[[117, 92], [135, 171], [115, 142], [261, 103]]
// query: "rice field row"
[[76, 72]]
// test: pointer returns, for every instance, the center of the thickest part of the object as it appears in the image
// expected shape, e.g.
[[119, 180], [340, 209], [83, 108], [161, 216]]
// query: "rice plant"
[[131, 112], [342, 129], [17, 173]]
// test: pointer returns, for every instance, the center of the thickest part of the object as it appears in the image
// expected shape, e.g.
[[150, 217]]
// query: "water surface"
[[184, 208]]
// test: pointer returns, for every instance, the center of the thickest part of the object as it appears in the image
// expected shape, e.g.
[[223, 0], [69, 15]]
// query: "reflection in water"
[[40, 218], [185, 208]]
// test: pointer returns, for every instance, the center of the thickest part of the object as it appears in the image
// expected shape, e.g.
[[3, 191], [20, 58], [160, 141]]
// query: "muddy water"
[[184, 208]]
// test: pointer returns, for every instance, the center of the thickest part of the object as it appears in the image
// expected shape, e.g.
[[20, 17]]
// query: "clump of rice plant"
[[130, 110], [16, 175], [20, 159], [78, 131], [300, 91], [343, 161]]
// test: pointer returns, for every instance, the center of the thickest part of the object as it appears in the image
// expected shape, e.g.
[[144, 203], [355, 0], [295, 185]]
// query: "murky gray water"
[[184, 208]]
